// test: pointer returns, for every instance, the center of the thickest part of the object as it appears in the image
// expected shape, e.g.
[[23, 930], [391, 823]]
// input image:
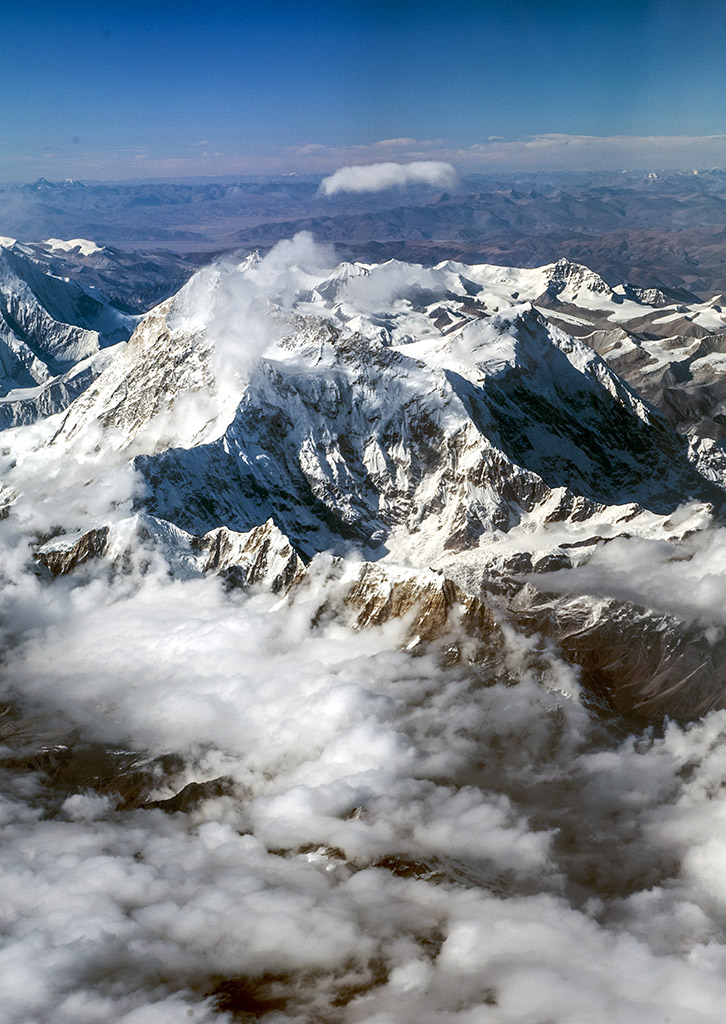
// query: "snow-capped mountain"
[[387, 401], [64, 306], [668, 345], [344, 614], [394, 413], [132, 281], [53, 335]]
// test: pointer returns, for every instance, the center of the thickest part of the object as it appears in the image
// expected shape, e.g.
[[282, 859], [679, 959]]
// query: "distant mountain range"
[[661, 230]]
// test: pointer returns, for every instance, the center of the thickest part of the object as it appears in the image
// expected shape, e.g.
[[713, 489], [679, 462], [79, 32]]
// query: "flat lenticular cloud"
[[376, 177]]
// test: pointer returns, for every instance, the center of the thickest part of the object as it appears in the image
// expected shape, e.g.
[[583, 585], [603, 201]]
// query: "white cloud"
[[686, 579], [546, 151], [394, 143], [505, 793], [557, 151], [232, 304], [376, 177]]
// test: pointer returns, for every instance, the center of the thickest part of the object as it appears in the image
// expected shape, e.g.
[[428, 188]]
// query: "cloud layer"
[[547, 151], [402, 841]]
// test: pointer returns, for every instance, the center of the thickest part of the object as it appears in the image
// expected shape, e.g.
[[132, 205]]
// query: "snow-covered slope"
[[382, 425], [82, 245], [52, 333], [386, 412], [650, 336], [399, 414]]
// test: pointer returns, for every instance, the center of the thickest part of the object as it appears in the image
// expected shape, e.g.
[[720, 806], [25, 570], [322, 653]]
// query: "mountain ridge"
[[398, 415]]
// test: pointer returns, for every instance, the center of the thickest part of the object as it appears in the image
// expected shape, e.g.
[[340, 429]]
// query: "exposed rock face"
[[62, 554], [566, 280], [363, 594], [683, 377], [639, 663], [438, 614], [635, 662], [51, 323], [262, 557], [431, 600], [346, 438], [156, 369]]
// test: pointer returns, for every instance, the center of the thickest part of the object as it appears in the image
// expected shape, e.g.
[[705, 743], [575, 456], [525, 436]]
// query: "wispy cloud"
[[394, 143], [549, 151], [555, 151], [357, 168]]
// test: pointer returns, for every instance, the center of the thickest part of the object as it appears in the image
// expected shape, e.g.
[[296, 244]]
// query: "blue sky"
[[117, 90]]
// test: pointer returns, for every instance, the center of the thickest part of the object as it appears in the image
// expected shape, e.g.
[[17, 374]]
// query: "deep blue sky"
[[119, 89]]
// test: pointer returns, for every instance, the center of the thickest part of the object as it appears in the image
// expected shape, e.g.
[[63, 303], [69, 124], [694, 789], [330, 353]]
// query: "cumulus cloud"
[[683, 578], [376, 177]]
